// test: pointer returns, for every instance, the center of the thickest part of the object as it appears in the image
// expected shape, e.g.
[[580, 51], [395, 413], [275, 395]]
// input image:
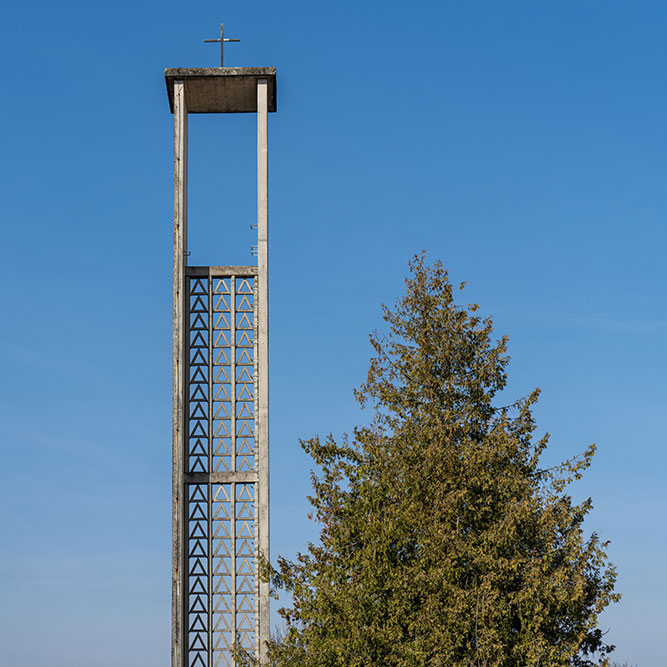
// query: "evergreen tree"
[[443, 542]]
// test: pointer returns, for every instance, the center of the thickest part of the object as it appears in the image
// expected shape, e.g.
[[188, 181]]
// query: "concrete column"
[[178, 630], [262, 417]]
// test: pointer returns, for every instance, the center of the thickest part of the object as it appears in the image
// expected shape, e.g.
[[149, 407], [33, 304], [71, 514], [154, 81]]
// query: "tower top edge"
[[186, 72], [221, 89]]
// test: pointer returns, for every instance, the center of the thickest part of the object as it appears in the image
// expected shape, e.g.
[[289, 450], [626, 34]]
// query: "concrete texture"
[[262, 407], [179, 361], [222, 89], [218, 90]]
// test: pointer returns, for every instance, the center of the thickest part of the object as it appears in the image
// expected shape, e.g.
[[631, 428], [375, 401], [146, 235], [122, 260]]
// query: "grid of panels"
[[197, 576], [221, 582], [198, 394], [222, 311]]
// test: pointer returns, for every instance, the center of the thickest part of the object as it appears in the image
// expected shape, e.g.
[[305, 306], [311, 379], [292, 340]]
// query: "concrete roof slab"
[[221, 89]]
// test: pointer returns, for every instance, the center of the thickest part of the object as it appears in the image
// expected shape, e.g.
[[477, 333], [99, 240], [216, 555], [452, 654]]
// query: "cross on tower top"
[[222, 41]]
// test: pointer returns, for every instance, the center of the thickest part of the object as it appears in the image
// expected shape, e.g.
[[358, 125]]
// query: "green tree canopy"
[[443, 542]]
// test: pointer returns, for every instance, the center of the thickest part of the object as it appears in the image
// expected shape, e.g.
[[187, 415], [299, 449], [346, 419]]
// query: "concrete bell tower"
[[220, 400]]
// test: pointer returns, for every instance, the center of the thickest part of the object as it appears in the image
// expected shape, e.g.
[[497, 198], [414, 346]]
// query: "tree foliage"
[[443, 542]]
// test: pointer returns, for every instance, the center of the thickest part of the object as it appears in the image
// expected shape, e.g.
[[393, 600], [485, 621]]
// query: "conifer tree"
[[443, 541]]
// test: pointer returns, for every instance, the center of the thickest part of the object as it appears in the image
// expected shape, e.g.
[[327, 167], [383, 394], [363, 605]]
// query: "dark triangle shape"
[[197, 625], [198, 358], [198, 430], [197, 494], [198, 394], [199, 587], [198, 340], [198, 449], [197, 513], [198, 661], [197, 606], [198, 322], [198, 643], [198, 375], [197, 550], [199, 464], [197, 532], [198, 286], [197, 569], [198, 411], [198, 305]]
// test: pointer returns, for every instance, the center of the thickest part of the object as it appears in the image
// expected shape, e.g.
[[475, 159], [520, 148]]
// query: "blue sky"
[[523, 143]]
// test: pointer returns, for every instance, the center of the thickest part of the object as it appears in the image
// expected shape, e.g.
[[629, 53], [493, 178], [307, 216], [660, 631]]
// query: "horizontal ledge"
[[220, 271], [197, 72], [221, 89], [224, 477]]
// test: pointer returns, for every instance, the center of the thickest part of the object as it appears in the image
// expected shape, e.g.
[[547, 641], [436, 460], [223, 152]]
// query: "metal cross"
[[222, 41]]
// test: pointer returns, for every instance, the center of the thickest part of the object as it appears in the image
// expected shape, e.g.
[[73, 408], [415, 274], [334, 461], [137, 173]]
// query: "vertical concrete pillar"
[[263, 354], [178, 631]]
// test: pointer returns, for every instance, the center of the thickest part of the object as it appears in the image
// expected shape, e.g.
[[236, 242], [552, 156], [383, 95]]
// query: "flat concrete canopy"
[[221, 89]]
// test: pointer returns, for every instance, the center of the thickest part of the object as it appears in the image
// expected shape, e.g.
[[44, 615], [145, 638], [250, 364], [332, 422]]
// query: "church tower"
[[220, 400]]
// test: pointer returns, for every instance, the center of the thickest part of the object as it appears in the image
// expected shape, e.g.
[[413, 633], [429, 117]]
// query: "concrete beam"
[[222, 89], [178, 630], [262, 423]]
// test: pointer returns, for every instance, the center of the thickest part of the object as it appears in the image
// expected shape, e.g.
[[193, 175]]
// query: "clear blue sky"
[[523, 143]]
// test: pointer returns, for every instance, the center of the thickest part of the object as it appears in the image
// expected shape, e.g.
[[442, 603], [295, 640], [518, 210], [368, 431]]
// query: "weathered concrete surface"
[[222, 89], [179, 372], [219, 90], [262, 410]]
